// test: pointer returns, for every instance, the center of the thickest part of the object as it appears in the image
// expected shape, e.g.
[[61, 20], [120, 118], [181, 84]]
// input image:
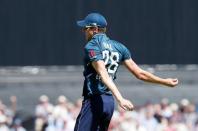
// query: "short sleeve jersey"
[[100, 47]]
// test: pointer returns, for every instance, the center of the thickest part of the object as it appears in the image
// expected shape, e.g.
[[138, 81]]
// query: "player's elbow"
[[141, 76]]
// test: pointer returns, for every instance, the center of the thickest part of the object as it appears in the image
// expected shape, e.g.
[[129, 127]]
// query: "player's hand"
[[126, 104], [13, 99], [171, 82]]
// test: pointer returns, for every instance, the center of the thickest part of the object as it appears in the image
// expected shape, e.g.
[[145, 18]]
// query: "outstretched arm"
[[99, 66], [147, 76]]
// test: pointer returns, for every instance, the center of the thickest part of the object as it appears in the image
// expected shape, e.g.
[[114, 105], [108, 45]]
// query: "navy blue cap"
[[93, 19]]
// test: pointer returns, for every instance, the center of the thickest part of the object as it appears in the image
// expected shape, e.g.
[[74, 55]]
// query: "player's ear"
[[96, 29]]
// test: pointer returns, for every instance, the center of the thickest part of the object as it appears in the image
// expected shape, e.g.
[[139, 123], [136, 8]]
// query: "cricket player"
[[101, 61]]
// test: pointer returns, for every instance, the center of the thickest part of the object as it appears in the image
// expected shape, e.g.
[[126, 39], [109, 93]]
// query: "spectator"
[[17, 126], [3, 122], [148, 121], [43, 110]]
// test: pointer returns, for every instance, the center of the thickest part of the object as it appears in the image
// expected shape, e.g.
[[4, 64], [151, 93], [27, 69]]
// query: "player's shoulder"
[[91, 45], [115, 42]]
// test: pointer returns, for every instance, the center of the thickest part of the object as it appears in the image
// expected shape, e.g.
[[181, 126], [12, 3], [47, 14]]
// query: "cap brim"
[[81, 23]]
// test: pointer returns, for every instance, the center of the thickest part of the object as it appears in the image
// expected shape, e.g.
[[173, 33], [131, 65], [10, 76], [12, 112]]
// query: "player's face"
[[89, 32]]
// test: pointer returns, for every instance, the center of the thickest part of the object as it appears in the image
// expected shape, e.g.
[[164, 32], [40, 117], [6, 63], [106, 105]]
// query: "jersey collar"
[[99, 34]]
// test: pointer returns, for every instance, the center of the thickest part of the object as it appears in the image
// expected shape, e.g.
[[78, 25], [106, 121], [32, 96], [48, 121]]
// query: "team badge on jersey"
[[92, 54]]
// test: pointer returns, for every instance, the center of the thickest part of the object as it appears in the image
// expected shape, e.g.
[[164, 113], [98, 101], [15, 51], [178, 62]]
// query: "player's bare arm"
[[99, 66], [147, 76]]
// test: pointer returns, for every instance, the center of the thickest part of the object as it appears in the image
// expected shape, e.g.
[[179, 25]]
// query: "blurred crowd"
[[163, 116], [8, 120], [61, 116]]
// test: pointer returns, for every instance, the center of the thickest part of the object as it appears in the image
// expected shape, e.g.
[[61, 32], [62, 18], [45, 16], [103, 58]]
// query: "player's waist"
[[96, 95]]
